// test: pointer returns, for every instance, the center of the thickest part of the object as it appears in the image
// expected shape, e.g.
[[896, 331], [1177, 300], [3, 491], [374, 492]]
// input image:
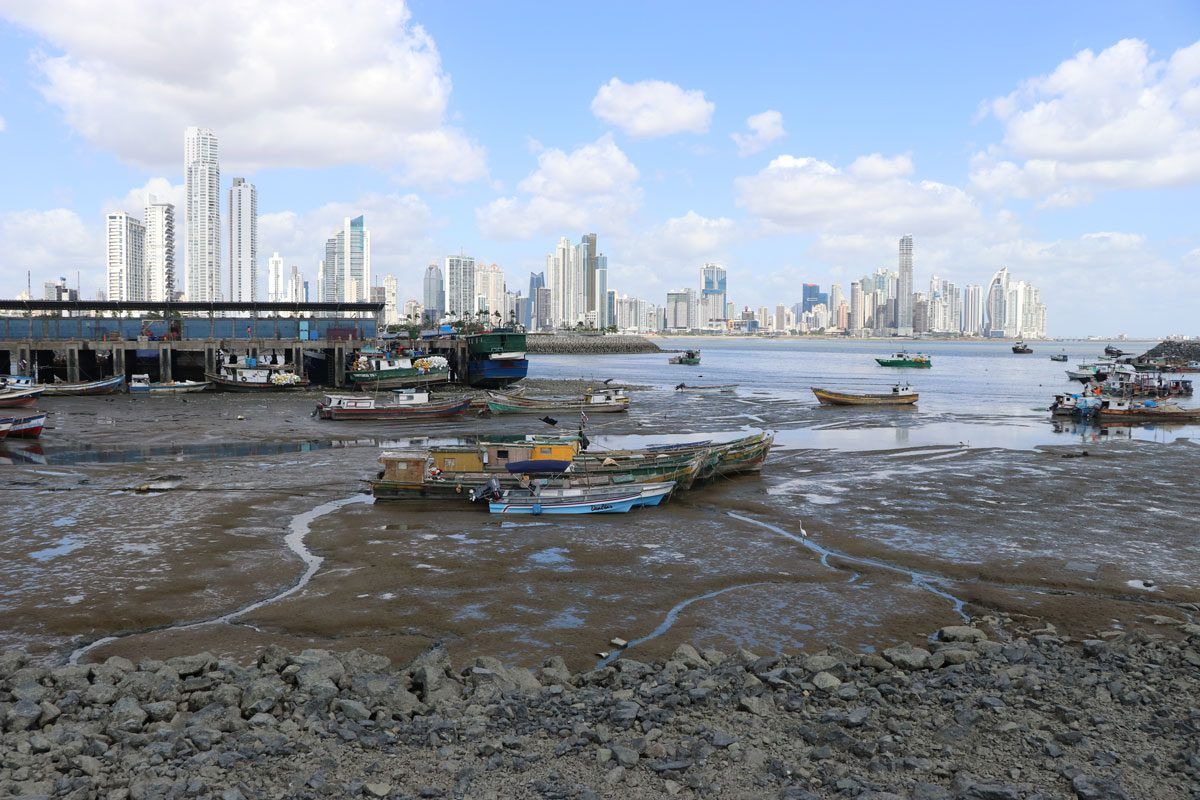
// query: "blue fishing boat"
[[575, 499]]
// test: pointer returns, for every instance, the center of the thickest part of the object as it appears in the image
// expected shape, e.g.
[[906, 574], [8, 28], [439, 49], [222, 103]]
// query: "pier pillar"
[[339, 366], [210, 360], [118, 361], [298, 360], [24, 354], [164, 364], [72, 364]]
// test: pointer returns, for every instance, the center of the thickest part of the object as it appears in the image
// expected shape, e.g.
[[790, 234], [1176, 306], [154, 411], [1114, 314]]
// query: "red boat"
[[20, 398], [26, 426]]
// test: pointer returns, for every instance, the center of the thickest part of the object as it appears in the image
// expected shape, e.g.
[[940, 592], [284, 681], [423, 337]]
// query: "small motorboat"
[[1022, 349], [606, 400], [1113, 352], [20, 397], [1060, 357], [249, 375], [103, 386], [688, 357], [899, 396], [141, 384], [904, 359], [539, 500], [712, 388], [403, 405], [26, 426], [5, 425]]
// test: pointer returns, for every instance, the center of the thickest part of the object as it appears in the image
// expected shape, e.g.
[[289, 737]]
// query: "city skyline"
[[674, 163]]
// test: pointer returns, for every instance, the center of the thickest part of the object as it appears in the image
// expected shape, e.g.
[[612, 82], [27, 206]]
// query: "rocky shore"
[[575, 344], [991, 711], [1175, 351]]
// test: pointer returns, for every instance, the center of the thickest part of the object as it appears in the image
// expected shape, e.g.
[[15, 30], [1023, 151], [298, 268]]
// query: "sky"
[[790, 142]]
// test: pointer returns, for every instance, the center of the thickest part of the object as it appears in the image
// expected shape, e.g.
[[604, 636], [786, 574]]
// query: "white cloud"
[[806, 194], [764, 128], [1, 124], [593, 186], [648, 109], [694, 235], [50, 244], [134, 201], [283, 83], [1116, 119]]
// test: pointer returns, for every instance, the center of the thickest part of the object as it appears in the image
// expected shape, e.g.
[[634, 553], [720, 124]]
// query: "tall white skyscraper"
[[126, 257], [904, 289], [435, 292], [566, 277], [391, 300], [345, 274], [243, 241], [460, 286], [973, 310], [202, 214], [489, 289], [995, 305], [857, 316], [712, 296], [602, 316], [276, 289], [160, 250], [295, 287]]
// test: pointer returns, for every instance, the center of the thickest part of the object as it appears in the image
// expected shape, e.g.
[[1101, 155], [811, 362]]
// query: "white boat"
[[141, 384], [573, 500], [404, 404], [250, 376], [515, 355]]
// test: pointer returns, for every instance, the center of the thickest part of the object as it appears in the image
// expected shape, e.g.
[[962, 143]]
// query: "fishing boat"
[[687, 357], [899, 396], [403, 405], [4, 428], [606, 400], [1114, 352], [496, 358], [590, 500], [905, 359], [141, 384], [1091, 371], [377, 370], [248, 375], [25, 426], [712, 388], [1022, 349], [1125, 410], [103, 386], [1060, 357], [20, 397]]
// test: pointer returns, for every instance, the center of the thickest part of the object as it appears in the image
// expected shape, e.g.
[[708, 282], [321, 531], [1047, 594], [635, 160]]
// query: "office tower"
[[276, 290], [537, 280], [297, 287], [712, 296], [434, 293], [126, 260], [346, 273], [973, 310], [995, 304], [856, 306], [391, 300], [601, 294], [243, 241], [320, 298], [811, 296], [543, 302], [489, 285], [159, 220], [307, 296], [592, 264], [202, 215], [460, 286], [566, 278], [59, 291], [683, 310], [904, 289]]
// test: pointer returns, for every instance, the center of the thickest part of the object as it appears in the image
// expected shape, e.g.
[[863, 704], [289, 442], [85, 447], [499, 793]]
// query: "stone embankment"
[[1176, 351], [984, 712], [575, 344]]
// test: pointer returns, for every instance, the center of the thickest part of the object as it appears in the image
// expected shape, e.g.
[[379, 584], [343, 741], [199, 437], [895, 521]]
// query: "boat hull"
[[26, 427], [501, 407], [898, 362], [397, 413], [725, 388], [398, 378], [19, 398], [227, 385], [486, 373], [607, 506], [106, 386], [831, 398], [163, 389], [686, 362]]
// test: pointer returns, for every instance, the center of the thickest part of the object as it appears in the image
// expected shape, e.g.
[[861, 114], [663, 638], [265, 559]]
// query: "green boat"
[[917, 360], [689, 357], [380, 371]]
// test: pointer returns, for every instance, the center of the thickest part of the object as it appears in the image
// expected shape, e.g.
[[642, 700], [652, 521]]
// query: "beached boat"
[[687, 357], [250, 376], [403, 405], [712, 388], [1125, 410], [899, 396], [24, 426], [141, 384], [496, 358], [20, 397], [103, 386], [607, 400], [1022, 349], [375, 370], [904, 359], [4, 428], [589, 500]]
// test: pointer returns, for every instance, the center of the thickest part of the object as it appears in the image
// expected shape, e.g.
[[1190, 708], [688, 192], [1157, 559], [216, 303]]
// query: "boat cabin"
[[404, 467], [495, 456], [606, 396], [410, 397]]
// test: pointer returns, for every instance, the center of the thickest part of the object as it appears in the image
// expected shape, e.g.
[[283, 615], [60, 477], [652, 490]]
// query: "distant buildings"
[[434, 292], [460, 286], [683, 310], [126, 257], [391, 299], [159, 221], [243, 241], [202, 211], [276, 291], [904, 288], [712, 297], [489, 289]]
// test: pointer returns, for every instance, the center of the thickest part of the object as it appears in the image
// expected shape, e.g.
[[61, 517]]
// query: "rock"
[[22, 715], [689, 657], [1087, 787], [351, 709], [262, 695], [88, 765], [127, 715], [720, 739], [759, 706], [907, 657], [187, 666], [822, 663], [961, 633], [614, 775], [825, 681], [377, 789], [626, 756]]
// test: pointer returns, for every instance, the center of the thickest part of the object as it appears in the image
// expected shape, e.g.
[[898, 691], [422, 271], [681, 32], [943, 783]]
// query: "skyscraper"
[[460, 286], [276, 293], [537, 280], [995, 304], [856, 306], [243, 241], [811, 296], [682, 310], [602, 318], [391, 300], [202, 214], [126, 257], [160, 250], [490, 289], [904, 289], [973, 310], [346, 274], [712, 296], [434, 292], [592, 293], [566, 278], [297, 287]]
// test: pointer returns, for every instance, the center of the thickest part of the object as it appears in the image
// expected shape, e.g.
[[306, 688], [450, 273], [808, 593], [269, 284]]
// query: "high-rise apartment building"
[[434, 292], [904, 288], [159, 220], [712, 297], [603, 319], [460, 286], [591, 291], [126, 257], [856, 306], [811, 296], [566, 278], [345, 276], [973, 310], [683, 310], [994, 304], [276, 290], [489, 289], [391, 300], [243, 241], [297, 287], [202, 215]]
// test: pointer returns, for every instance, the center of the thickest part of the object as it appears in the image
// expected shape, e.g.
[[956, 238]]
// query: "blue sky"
[[1059, 140]]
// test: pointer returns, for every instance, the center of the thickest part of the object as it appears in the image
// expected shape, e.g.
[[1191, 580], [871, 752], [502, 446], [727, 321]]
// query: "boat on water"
[[1092, 371], [899, 396], [496, 359], [1022, 349], [141, 384], [687, 357], [103, 386], [1114, 352], [606, 400], [906, 359], [373, 369], [20, 397], [1060, 357], [712, 388], [1113, 409], [24, 426], [402, 405], [248, 375]]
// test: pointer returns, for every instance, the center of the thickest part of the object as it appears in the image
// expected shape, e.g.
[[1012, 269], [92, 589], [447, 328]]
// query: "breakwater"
[[575, 344], [1000, 708], [1175, 351]]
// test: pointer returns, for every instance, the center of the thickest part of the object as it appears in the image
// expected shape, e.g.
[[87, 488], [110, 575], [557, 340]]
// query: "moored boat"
[[1060, 357], [899, 396], [538, 500], [1114, 352], [141, 384], [374, 370], [1124, 410], [4, 428], [403, 405], [496, 358], [687, 357], [25, 426], [607, 400], [905, 359], [103, 386], [1022, 349], [250, 376], [712, 388], [20, 397]]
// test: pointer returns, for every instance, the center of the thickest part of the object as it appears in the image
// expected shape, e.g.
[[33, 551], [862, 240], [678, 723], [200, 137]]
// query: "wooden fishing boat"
[[1113, 352], [899, 396], [904, 359], [403, 405], [250, 376], [590, 500], [103, 386], [712, 388], [607, 400], [381, 371], [1124, 410], [141, 384], [20, 397], [1060, 357], [1022, 349], [4, 428], [25, 426], [687, 357]]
